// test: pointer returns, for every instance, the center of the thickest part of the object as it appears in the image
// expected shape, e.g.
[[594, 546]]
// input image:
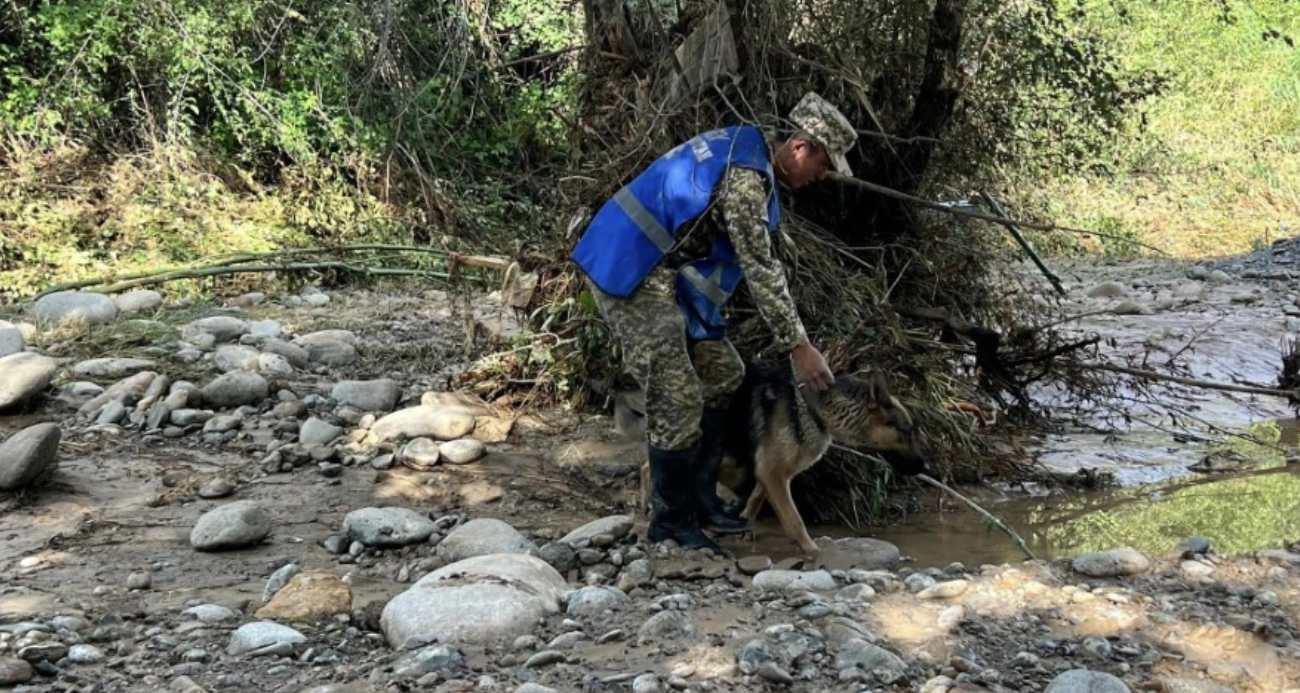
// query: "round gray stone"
[[235, 357], [595, 601], [368, 395], [617, 526], [138, 301], [11, 340], [231, 526], [94, 309], [23, 375], [1114, 563], [482, 537], [252, 638], [422, 453], [387, 526], [14, 671], [462, 451], [317, 432], [424, 422], [235, 389], [221, 328], [30, 456]]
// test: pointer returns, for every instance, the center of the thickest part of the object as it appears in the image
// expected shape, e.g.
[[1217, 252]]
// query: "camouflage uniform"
[[681, 379]]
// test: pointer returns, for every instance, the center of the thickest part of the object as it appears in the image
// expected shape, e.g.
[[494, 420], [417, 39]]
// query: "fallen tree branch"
[[199, 272], [1192, 382], [240, 258], [990, 517], [1001, 221]]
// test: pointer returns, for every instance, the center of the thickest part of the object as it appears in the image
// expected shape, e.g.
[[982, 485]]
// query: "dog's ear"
[[880, 389]]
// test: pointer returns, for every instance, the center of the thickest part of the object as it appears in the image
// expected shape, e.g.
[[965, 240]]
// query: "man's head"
[[824, 135]]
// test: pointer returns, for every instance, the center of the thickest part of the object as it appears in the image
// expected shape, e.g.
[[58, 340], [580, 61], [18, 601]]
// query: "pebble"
[[139, 581]]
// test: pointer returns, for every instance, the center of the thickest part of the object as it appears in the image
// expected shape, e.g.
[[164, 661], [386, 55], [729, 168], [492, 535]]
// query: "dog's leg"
[[645, 488], [778, 486], [755, 504]]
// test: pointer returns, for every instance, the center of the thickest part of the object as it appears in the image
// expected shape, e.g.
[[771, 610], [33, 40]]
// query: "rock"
[[216, 488], [188, 417], [491, 429], [368, 395], [317, 432], [265, 329], [139, 581], [544, 658], [30, 456], [856, 553], [944, 590], [666, 625], [1107, 290], [210, 613], [462, 451], [646, 683], [279, 579], [85, 654], [221, 328], [617, 526], [421, 453], [138, 301], [274, 364], [236, 357], [753, 655], [477, 600], [314, 595], [1192, 547], [773, 672], [560, 556], [779, 580], [1198, 272], [23, 375], [127, 391], [235, 389], [387, 526], [482, 537], [1113, 563], [428, 660], [295, 355], [421, 422], [531, 687], [15, 671], [1084, 681], [753, 565], [860, 654], [94, 309], [456, 400], [1131, 307], [594, 601], [231, 526], [223, 423], [263, 637], [1219, 277], [330, 347], [11, 340]]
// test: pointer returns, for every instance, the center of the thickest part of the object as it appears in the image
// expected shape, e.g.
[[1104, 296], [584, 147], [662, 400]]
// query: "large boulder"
[[23, 375], [29, 456], [94, 309], [483, 537], [1114, 563], [475, 601]]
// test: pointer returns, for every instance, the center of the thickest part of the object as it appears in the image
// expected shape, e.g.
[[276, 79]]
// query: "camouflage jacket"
[[739, 209]]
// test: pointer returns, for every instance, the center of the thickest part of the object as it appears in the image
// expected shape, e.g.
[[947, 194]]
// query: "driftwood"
[[1024, 242], [1293, 395]]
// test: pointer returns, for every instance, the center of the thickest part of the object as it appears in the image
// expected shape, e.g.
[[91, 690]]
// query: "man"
[[664, 255]]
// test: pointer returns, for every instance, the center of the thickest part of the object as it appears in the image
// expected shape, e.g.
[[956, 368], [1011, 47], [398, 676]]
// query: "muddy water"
[[1227, 333]]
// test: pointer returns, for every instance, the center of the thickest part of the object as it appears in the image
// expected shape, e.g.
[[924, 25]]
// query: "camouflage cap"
[[825, 124]]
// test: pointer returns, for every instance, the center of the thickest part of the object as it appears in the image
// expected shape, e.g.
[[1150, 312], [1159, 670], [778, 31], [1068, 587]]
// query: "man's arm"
[[743, 202]]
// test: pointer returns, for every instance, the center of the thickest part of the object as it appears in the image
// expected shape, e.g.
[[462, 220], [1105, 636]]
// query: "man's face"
[[801, 162]]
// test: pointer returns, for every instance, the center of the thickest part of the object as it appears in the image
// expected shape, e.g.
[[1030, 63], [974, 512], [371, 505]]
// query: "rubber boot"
[[707, 466], [674, 502]]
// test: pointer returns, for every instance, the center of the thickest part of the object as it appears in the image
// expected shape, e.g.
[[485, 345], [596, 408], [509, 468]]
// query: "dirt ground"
[[122, 503]]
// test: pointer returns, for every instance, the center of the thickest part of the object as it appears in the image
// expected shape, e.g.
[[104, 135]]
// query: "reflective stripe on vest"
[[645, 221], [711, 286]]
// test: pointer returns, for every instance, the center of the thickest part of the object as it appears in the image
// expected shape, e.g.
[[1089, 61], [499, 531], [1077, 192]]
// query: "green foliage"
[[193, 127], [1208, 164]]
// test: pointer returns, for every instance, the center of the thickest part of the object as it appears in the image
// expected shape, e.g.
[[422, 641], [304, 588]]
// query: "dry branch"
[[1192, 382]]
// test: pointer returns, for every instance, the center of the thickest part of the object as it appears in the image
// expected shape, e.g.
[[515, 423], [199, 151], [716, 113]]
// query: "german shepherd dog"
[[776, 430]]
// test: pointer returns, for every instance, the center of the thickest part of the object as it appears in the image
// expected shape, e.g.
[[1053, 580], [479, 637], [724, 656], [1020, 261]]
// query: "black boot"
[[674, 503], [707, 465]]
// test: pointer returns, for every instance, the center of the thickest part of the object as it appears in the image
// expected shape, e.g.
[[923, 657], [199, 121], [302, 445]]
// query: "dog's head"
[[863, 413]]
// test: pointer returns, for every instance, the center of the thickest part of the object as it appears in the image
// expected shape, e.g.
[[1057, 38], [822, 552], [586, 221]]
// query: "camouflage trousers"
[[679, 379]]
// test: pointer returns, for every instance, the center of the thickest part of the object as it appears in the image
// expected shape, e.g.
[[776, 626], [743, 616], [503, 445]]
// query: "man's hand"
[[810, 367]]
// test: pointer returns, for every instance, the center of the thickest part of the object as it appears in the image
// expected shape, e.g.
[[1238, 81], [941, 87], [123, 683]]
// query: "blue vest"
[[637, 228]]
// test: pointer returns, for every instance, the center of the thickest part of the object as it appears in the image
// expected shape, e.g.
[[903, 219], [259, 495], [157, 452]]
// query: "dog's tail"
[[629, 414]]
